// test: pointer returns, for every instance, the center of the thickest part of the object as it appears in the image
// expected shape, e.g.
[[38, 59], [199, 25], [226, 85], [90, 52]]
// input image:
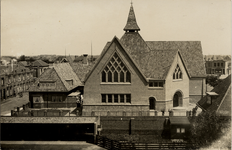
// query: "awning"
[[212, 93], [74, 94]]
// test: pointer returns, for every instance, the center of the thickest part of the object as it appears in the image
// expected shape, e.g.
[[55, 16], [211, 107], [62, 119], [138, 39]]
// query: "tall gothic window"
[[177, 74], [116, 71]]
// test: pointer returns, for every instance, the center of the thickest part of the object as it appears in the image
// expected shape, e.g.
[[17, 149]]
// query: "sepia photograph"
[[115, 74]]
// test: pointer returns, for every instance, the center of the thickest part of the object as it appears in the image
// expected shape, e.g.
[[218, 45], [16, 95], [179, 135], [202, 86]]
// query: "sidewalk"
[[49, 145], [12, 102]]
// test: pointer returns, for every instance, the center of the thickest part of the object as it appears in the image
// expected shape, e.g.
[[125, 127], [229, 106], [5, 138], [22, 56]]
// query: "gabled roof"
[[39, 63], [115, 39], [222, 103], [156, 64], [81, 69], [191, 53], [64, 72], [131, 21], [24, 63]]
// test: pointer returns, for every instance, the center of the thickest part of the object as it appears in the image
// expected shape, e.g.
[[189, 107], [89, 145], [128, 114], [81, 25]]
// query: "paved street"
[[10, 103]]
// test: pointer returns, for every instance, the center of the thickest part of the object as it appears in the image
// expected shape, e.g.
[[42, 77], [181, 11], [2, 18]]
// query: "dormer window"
[[70, 82], [210, 97], [48, 84], [177, 74], [116, 71]]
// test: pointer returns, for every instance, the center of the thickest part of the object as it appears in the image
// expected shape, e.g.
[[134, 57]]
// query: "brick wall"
[[138, 88]]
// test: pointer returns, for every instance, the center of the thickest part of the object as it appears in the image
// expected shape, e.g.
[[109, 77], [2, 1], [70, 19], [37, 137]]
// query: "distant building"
[[218, 64], [38, 66], [219, 99], [15, 79], [136, 75], [54, 85]]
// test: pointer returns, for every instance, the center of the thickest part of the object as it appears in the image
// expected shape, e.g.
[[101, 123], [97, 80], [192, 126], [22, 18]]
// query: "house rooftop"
[[222, 100]]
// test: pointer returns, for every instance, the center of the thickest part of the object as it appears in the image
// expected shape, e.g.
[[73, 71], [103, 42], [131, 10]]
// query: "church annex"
[[132, 74]]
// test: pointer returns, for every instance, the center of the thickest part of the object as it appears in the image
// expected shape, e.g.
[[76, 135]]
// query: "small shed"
[[177, 127]]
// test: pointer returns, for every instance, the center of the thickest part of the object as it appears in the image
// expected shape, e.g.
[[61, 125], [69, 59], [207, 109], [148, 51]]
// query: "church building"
[[132, 74]]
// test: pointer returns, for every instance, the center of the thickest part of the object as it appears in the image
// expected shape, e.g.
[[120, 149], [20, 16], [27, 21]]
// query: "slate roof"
[[131, 21], [64, 72], [190, 51], [39, 63], [222, 103]]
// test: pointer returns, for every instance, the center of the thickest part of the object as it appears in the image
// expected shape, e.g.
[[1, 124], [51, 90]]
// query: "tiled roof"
[[17, 68], [81, 69], [223, 100], [217, 57], [191, 53], [140, 51], [60, 73], [39, 63], [65, 72], [156, 64], [131, 21], [24, 63]]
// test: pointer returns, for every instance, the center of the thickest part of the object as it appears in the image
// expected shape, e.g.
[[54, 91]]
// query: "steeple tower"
[[131, 25]]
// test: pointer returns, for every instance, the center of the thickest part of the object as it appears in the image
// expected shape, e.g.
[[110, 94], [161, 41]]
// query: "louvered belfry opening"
[[116, 71]]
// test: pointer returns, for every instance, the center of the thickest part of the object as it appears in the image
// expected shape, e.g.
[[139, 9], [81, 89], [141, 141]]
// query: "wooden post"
[[18, 108], [12, 112], [95, 131]]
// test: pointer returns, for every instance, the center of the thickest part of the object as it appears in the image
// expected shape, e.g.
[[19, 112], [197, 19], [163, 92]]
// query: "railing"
[[140, 113], [125, 145]]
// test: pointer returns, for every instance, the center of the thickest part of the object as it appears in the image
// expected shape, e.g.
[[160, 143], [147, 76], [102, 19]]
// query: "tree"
[[208, 127], [21, 58], [213, 80]]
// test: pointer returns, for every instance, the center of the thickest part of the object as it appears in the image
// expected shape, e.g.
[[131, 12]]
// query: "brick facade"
[[138, 88]]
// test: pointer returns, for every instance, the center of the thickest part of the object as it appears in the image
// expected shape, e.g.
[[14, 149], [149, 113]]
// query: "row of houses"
[[17, 77], [218, 64], [14, 80], [131, 74]]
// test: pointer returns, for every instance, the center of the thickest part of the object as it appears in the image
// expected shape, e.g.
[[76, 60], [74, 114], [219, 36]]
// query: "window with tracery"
[[177, 73], [116, 71]]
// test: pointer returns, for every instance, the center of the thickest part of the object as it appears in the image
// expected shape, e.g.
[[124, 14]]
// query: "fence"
[[140, 113], [125, 145]]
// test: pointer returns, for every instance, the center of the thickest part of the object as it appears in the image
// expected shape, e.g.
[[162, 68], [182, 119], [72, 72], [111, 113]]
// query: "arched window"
[[177, 74], [116, 71]]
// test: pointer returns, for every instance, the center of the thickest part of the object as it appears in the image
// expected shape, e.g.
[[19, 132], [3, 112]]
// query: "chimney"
[[85, 60], [12, 65]]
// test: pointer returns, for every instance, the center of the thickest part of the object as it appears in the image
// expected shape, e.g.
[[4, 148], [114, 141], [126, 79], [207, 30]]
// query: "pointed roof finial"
[[131, 24]]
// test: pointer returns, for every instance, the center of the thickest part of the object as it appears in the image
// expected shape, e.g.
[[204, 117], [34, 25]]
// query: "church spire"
[[131, 25]]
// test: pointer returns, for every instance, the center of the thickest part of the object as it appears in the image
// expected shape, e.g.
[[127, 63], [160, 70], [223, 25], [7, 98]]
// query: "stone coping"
[[75, 120]]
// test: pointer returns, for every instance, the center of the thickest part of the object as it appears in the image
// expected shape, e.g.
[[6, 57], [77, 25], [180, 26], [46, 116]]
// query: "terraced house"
[[132, 74], [15, 79]]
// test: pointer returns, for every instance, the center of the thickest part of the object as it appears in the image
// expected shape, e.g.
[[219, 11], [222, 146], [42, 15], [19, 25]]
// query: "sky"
[[38, 27]]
